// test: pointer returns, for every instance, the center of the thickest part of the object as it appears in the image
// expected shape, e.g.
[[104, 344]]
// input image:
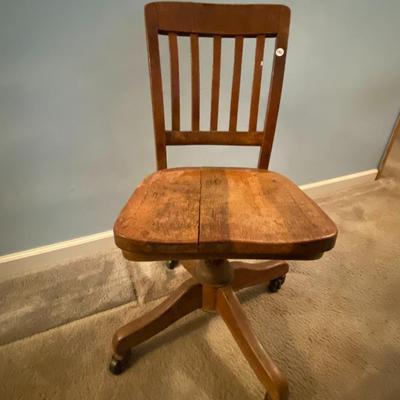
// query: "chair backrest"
[[218, 21]]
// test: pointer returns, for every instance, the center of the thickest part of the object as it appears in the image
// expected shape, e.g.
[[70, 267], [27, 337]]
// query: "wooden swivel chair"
[[205, 216]]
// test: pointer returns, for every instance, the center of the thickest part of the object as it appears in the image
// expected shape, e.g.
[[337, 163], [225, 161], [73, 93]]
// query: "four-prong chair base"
[[212, 288]]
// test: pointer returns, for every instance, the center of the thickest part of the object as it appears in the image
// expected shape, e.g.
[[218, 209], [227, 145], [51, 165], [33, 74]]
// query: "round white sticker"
[[280, 52]]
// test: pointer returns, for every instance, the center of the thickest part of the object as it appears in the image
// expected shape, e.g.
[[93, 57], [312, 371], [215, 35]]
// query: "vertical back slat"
[[216, 73], [194, 49], [174, 71], [237, 68], [255, 91]]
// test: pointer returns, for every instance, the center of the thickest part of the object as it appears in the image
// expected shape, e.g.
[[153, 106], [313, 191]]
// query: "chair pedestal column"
[[212, 289]]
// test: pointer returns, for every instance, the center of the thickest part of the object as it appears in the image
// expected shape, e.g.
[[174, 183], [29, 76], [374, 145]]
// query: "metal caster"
[[171, 264], [276, 284], [117, 366]]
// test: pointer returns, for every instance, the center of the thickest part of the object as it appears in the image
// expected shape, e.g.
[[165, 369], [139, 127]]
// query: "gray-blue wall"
[[75, 117]]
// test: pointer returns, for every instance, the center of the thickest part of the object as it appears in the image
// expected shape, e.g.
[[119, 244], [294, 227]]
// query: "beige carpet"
[[35, 302], [334, 328], [38, 301]]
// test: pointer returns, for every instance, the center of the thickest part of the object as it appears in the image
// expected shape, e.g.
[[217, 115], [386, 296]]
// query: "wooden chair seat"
[[200, 213]]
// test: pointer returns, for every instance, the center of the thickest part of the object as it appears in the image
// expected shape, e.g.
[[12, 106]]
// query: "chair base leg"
[[251, 274], [212, 288]]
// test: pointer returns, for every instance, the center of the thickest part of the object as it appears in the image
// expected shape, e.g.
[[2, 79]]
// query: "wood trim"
[[393, 136]]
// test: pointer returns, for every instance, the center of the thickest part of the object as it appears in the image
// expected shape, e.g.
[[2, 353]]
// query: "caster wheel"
[[171, 264], [276, 284], [116, 366]]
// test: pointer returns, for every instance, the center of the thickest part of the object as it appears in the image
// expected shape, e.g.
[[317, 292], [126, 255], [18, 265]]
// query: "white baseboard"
[[22, 262], [329, 186]]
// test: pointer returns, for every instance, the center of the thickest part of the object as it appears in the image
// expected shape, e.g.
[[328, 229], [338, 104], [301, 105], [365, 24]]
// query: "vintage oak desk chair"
[[205, 216]]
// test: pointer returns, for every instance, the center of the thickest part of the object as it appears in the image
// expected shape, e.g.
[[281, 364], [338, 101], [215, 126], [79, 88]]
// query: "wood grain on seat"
[[198, 213]]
